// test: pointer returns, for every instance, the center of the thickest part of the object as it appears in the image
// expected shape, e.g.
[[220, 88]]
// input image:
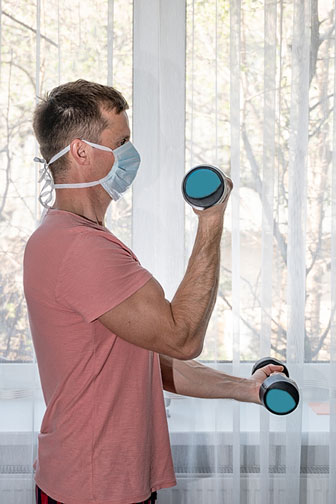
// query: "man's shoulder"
[[70, 240]]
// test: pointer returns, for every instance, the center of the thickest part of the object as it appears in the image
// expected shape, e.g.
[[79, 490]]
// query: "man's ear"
[[79, 150]]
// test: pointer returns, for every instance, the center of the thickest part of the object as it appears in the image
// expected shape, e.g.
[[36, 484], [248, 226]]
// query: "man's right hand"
[[216, 211]]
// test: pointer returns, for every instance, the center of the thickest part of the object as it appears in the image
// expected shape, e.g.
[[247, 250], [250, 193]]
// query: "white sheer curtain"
[[248, 86], [43, 43], [259, 97]]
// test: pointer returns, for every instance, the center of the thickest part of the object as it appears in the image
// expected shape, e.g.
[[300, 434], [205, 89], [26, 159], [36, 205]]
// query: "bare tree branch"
[[8, 139], [258, 185], [255, 332], [323, 336], [23, 70], [29, 28], [319, 102]]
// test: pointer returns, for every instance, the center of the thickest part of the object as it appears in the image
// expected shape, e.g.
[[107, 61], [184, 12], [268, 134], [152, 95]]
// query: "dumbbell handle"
[[269, 360], [275, 382]]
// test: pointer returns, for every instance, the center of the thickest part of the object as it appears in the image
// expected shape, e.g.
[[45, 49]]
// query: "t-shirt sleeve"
[[97, 274]]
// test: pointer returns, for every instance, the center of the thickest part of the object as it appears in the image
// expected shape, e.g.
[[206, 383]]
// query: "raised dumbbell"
[[205, 186], [278, 393]]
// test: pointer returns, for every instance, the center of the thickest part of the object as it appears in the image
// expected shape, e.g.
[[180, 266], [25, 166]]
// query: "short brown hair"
[[73, 110]]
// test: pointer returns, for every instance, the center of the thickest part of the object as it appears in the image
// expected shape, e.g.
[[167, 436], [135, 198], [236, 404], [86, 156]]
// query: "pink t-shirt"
[[104, 436]]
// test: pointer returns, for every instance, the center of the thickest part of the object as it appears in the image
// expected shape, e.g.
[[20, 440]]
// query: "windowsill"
[[20, 383]]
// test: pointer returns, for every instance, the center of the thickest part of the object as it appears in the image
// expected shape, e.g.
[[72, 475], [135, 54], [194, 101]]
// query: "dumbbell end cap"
[[281, 401]]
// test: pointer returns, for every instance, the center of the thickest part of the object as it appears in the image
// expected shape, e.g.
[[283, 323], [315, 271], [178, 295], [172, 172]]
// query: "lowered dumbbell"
[[278, 393]]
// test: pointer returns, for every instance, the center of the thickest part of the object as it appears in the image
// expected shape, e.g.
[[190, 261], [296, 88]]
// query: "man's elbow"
[[191, 353]]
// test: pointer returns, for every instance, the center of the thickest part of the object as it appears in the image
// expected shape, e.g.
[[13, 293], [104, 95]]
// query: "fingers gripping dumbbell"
[[278, 393]]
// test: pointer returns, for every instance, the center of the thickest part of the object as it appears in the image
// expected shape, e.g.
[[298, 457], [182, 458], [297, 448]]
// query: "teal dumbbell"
[[205, 186], [278, 393]]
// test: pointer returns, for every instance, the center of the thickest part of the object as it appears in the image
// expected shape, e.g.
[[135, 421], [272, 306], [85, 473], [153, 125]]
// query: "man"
[[106, 339]]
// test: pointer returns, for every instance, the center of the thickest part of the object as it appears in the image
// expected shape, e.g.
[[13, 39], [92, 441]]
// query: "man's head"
[[73, 110]]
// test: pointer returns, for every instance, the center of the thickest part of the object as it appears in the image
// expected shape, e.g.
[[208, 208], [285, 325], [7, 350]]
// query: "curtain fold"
[[158, 132], [268, 177], [296, 247], [332, 372], [235, 126]]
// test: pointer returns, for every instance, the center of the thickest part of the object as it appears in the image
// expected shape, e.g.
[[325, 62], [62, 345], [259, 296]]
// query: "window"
[[253, 58]]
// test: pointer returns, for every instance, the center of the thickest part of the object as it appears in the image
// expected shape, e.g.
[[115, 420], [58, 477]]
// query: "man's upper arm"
[[101, 279], [146, 320]]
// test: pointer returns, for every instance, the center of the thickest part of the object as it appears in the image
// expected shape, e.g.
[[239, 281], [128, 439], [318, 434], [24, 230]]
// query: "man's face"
[[113, 136], [117, 132]]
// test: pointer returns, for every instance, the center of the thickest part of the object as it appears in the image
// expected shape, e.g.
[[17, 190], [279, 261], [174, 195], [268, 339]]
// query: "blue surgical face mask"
[[115, 183]]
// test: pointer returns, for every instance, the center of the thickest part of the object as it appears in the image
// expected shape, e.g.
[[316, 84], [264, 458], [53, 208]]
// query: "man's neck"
[[81, 214]]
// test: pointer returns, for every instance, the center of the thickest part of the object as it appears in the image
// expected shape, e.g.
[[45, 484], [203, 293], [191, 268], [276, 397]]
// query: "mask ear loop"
[[48, 182], [46, 176]]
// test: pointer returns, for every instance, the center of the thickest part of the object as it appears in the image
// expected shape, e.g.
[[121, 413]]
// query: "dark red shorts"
[[42, 498]]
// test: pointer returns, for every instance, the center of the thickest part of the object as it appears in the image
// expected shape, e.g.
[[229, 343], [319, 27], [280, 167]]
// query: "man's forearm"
[[196, 295], [190, 378]]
